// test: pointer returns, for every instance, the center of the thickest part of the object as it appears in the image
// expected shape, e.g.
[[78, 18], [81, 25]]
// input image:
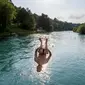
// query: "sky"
[[64, 10]]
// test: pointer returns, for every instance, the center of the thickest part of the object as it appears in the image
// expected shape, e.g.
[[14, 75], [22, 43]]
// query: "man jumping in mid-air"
[[42, 55]]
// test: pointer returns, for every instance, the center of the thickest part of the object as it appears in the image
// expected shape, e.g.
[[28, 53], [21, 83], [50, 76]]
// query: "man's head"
[[39, 68]]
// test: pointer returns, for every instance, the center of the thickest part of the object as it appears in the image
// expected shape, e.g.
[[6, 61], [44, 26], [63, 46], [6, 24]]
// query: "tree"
[[44, 22], [81, 29], [25, 18], [7, 14]]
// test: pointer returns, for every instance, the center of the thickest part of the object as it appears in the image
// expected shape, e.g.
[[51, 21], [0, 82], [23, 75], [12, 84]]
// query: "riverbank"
[[14, 30], [15, 33], [8, 34]]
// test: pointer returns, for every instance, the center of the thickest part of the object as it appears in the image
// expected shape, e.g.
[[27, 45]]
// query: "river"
[[66, 66]]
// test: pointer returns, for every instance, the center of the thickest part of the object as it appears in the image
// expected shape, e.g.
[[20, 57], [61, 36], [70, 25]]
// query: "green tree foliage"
[[44, 22], [7, 14], [11, 15], [60, 25], [49, 24], [75, 29], [25, 18], [80, 29]]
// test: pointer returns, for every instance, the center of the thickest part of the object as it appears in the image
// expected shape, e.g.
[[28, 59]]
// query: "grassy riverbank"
[[14, 30]]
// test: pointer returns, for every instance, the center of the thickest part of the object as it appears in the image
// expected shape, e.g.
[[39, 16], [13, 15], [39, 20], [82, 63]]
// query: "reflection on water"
[[66, 66]]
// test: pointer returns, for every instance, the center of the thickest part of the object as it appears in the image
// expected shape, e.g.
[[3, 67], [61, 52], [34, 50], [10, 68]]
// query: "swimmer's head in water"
[[39, 68]]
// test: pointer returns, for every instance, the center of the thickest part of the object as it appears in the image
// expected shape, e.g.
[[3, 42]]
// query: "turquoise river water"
[[66, 66]]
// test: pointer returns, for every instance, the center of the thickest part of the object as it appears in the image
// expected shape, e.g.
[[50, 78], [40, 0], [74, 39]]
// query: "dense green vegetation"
[[20, 20], [49, 24], [80, 29], [25, 19], [7, 14]]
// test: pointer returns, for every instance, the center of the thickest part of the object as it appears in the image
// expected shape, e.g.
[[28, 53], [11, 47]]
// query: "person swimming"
[[41, 55]]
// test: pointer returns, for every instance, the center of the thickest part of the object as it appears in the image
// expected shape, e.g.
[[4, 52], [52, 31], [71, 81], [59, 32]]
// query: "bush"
[[80, 29]]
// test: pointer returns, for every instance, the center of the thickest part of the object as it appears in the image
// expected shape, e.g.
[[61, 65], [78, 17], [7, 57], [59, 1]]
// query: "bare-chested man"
[[42, 55]]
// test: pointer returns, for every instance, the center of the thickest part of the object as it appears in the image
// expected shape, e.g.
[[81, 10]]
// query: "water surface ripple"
[[66, 67]]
